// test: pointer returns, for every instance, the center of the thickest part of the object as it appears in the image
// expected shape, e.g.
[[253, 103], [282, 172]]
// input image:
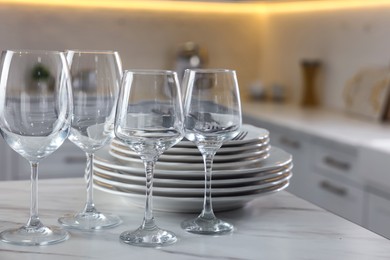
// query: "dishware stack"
[[243, 169]]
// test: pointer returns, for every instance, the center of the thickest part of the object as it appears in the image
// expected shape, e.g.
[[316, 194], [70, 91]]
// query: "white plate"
[[194, 192], [194, 150], [127, 177], [277, 158], [223, 150], [191, 204], [260, 152], [193, 166], [255, 137]]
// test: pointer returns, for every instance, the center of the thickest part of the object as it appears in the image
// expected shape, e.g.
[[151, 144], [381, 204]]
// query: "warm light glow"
[[322, 5], [215, 7], [150, 5]]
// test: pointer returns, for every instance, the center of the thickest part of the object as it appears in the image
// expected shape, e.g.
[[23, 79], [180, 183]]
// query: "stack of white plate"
[[242, 170]]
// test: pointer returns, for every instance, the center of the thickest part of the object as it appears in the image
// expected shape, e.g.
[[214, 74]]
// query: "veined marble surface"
[[277, 226]]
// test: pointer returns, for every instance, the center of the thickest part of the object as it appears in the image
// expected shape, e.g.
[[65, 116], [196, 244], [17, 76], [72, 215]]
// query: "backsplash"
[[345, 41], [144, 39], [264, 46]]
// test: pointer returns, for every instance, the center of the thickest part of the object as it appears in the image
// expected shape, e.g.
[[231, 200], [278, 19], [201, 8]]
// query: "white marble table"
[[278, 226]]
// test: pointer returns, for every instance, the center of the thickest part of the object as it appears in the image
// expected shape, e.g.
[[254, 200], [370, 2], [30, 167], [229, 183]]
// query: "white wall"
[[266, 46], [345, 40], [145, 39]]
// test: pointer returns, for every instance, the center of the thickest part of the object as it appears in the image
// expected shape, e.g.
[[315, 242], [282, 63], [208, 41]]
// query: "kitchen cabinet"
[[337, 183], [296, 144], [324, 171], [66, 162], [337, 164], [339, 197]]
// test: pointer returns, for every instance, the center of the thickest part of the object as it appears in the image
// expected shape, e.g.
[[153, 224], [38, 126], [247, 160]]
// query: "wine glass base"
[[90, 221], [34, 236], [155, 237], [205, 226]]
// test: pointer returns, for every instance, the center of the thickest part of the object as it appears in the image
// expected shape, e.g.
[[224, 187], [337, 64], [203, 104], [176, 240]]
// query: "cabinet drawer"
[[288, 141], [378, 217], [375, 168], [336, 160], [338, 197]]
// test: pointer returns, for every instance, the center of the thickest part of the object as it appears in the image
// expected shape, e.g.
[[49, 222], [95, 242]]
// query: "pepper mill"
[[310, 69]]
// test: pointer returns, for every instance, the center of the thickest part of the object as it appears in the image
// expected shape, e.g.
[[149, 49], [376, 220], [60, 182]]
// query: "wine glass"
[[212, 115], [35, 116], [96, 78], [149, 120]]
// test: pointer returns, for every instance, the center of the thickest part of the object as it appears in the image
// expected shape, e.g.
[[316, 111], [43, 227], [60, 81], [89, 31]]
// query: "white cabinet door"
[[339, 197], [297, 144], [338, 186], [378, 215], [375, 167], [301, 184]]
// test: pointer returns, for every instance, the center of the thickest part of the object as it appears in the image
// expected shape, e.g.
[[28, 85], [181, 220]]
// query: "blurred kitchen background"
[[315, 73], [263, 40]]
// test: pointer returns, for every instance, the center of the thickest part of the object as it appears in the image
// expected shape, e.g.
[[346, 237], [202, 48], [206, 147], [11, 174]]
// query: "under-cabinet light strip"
[[209, 6]]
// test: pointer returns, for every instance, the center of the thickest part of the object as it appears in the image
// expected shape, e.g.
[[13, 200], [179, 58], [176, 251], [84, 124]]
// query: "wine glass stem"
[[207, 211], [34, 218], [148, 218], [89, 205]]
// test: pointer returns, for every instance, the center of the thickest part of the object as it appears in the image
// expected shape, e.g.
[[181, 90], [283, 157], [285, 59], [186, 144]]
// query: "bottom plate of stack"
[[189, 204]]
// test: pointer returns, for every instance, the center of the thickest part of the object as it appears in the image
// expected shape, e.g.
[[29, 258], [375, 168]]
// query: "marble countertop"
[[277, 226], [336, 125]]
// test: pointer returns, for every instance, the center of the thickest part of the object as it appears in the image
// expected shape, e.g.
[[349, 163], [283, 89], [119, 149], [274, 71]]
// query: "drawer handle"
[[290, 143], [339, 191], [337, 163], [75, 159]]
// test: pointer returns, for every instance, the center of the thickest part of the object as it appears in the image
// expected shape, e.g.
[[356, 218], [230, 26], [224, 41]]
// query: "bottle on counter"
[[310, 71]]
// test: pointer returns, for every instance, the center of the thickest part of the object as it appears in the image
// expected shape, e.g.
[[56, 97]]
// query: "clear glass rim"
[[150, 72], [27, 51], [211, 70], [91, 51]]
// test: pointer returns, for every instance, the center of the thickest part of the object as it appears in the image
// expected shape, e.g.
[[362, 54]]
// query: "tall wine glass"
[[149, 120], [35, 115], [96, 78], [212, 112]]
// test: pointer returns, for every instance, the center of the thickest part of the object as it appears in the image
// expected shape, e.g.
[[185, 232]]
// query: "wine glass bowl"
[[149, 120], [212, 112], [35, 116], [96, 78]]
